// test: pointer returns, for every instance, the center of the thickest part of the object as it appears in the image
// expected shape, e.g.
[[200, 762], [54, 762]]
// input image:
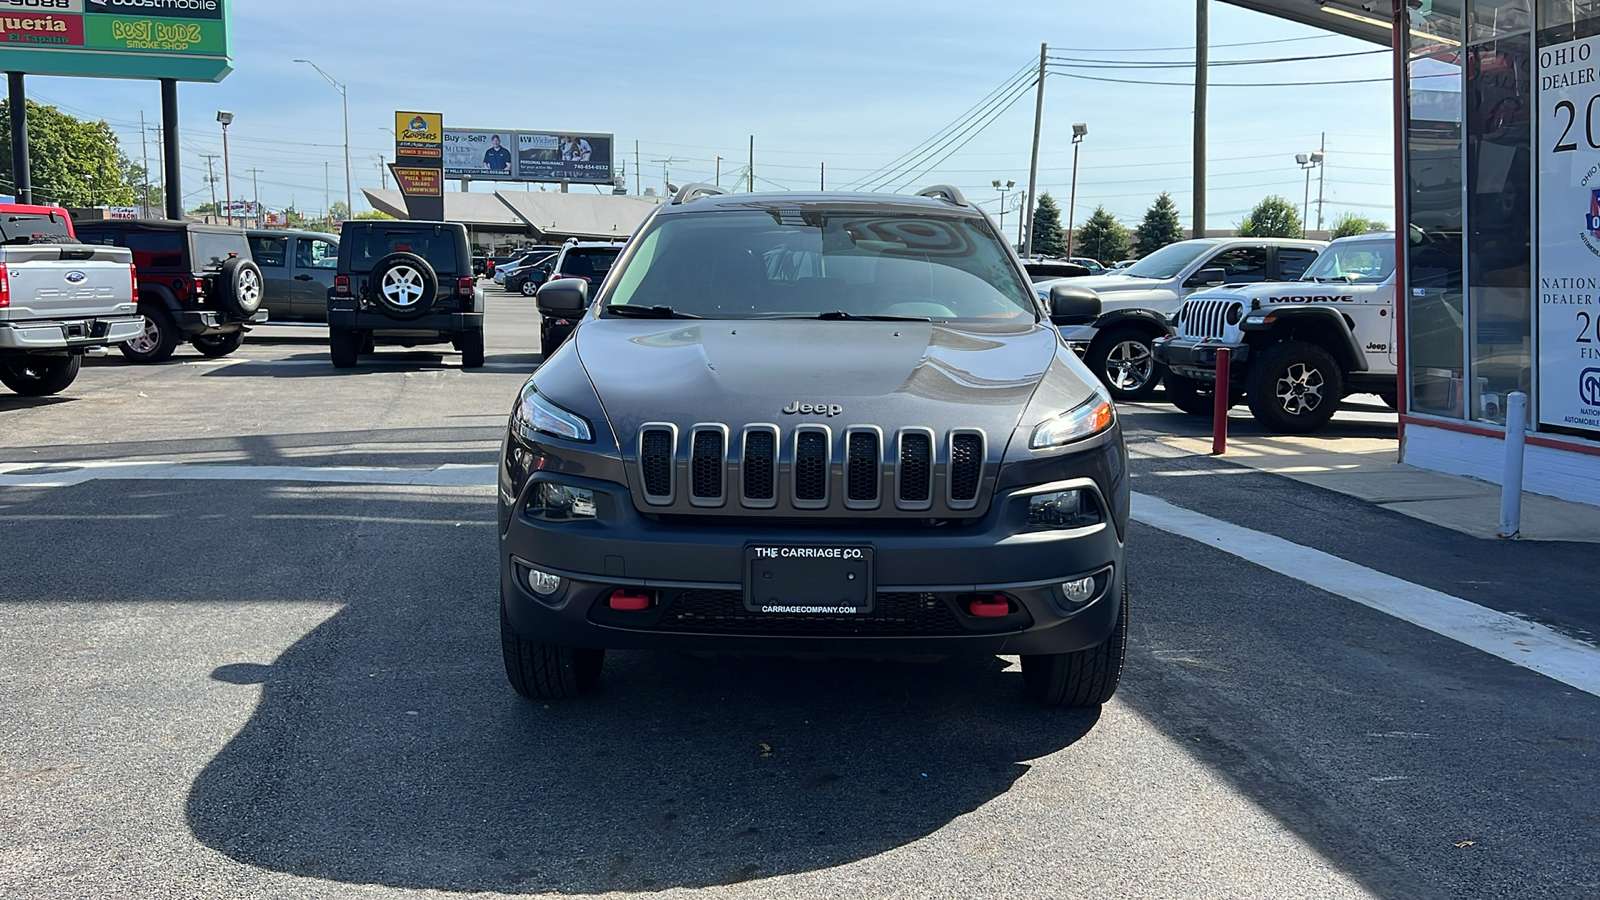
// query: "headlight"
[[560, 502], [1084, 421], [536, 414]]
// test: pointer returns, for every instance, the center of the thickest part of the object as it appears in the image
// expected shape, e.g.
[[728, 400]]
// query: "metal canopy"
[[1367, 20]]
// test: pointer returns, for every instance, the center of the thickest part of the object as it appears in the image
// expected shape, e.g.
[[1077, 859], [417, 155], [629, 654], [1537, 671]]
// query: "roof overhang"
[[1367, 20]]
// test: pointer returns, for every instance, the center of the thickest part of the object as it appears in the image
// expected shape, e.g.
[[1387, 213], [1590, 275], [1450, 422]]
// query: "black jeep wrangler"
[[815, 423], [405, 283], [196, 283]]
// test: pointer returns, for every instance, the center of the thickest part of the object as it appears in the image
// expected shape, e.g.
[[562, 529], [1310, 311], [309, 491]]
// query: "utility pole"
[[1322, 173], [144, 154], [1033, 167], [719, 172], [255, 185], [1202, 63], [822, 179], [383, 172], [638, 172], [211, 178], [161, 183], [752, 163]]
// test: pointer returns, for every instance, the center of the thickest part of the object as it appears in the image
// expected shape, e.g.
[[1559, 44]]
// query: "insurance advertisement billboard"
[[490, 154]]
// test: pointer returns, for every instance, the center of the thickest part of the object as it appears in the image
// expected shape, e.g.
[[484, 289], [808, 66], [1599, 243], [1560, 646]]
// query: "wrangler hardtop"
[[59, 300], [197, 283], [405, 283]]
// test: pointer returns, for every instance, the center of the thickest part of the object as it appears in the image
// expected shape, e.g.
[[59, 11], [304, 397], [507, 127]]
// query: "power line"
[[1314, 37], [1090, 63], [1226, 84]]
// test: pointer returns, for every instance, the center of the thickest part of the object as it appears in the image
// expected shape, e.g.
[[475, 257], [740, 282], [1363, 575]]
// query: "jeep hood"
[[887, 374], [1284, 291]]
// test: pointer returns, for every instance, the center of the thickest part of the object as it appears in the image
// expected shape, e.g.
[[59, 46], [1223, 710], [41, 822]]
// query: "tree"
[[373, 214], [1273, 217], [1102, 237], [294, 218], [1160, 226], [338, 211], [207, 209], [1349, 224], [1048, 237], [73, 162]]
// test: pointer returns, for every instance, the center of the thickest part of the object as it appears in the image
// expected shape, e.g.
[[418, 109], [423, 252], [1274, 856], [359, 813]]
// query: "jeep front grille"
[[812, 468], [1205, 318]]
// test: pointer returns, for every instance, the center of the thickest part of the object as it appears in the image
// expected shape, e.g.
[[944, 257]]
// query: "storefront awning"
[[1367, 20]]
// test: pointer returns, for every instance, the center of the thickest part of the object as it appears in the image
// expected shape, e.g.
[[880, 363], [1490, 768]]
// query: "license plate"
[[808, 579]]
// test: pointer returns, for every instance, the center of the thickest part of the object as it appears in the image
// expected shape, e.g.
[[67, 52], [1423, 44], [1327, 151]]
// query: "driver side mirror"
[[539, 276], [1211, 277], [1072, 305], [564, 297]]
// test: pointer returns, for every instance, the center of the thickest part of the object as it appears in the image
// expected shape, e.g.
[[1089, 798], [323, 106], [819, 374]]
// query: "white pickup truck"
[[1297, 348], [59, 300]]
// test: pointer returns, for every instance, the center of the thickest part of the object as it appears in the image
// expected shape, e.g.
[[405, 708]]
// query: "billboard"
[[188, 40], [503, 154]]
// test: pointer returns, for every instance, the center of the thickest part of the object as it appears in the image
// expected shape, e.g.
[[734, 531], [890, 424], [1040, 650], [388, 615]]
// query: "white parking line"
[[1527, 644], [68, 474]]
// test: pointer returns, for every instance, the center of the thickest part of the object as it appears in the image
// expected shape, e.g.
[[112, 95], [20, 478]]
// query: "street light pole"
[[1007, 185], [1309, 161], [226, 118], [344, 93], [1079, 132]]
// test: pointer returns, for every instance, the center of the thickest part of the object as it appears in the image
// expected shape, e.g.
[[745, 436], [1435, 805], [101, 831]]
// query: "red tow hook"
[[629, 601], [996, 607]]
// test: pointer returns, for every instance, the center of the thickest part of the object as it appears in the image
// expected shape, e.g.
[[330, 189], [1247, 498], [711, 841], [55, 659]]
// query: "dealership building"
[[499, 221], [1497, 119]]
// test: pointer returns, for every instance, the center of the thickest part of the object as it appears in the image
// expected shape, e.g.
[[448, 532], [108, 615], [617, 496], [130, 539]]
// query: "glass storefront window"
[[1499, 105], [1567, 20], [1498, 18]]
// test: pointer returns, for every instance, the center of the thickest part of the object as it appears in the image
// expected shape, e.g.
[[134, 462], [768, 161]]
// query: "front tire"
[[344, 344], [218, 344], [528, 288], [159, 341], [1294, 387], [1083, 678], [546, 671], [40, 376], [1123, 359]]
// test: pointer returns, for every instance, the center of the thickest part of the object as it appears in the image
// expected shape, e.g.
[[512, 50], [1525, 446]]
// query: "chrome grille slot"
[[1205, 318], [863, 468], [811, 459], [656, 445], [915, 469], [759, 467], [966, 468], [708, 452]]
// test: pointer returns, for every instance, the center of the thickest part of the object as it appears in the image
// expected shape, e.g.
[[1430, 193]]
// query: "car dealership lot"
[[278, 675]]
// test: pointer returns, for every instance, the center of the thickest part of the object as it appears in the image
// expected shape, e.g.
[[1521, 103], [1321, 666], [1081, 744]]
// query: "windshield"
[[367, 246], [794, 262], [1168, 261], [1358, 262]]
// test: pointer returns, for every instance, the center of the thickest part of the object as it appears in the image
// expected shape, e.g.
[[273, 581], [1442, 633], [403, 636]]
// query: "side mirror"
[[539, 276], [564, 297], [1071, 305], [1207, 277]]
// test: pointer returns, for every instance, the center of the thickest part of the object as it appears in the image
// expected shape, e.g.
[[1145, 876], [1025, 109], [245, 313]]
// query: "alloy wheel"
[[148, 340], [402, 286], [1130, 365], [1299, 389]]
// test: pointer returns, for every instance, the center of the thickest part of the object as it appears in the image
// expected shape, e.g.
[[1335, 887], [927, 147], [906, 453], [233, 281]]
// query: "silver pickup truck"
[[58, 303]]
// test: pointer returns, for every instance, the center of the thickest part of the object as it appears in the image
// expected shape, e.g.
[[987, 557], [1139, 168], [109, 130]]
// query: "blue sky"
[[853, 85]]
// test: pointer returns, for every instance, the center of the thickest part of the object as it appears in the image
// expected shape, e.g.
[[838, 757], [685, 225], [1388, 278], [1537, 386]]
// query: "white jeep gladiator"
[[1298, 348], [59, 301]]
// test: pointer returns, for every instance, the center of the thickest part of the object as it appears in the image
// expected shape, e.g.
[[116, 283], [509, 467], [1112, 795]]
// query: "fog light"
[[543, 583], [1080, 591], [1063, 509]]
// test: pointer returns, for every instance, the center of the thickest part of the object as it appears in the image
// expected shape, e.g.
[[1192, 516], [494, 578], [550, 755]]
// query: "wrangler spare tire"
[[403, 285], [241, 286]]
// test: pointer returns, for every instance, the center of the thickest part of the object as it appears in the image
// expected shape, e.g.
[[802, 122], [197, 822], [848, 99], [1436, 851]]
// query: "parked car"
[[196, 283], [815, 423], [1139, 300], [1050, 269], [1093, 265], [297, 268], [1298, 348], [587, 261], [501, 264], [526, 276], [406, 283], [59, 300], [1122, 264]]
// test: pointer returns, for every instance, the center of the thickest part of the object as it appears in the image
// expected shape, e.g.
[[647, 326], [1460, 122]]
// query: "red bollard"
[[1219, 414]]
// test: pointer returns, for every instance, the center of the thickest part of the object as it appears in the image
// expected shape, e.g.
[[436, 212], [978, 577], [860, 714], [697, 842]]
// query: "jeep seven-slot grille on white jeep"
[[807, 466], [1209, 318]]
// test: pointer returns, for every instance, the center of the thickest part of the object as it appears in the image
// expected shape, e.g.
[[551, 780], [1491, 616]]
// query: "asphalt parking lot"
[[248, 647]]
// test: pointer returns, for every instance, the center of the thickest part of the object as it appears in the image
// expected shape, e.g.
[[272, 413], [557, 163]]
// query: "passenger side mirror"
[[564, 297], [1071, 305], [539, 276], [1207, 277]]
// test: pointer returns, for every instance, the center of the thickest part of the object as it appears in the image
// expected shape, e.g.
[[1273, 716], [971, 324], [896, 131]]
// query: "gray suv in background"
[[297, 268]]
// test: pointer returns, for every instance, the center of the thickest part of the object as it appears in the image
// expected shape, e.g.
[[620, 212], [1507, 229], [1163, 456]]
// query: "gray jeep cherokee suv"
[[836, 423]]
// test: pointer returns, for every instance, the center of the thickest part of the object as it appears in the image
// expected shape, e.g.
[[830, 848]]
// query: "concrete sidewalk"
[[1367, 468]]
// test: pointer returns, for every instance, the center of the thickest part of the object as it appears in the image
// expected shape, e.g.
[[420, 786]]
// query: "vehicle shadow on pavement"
[[387, 748]]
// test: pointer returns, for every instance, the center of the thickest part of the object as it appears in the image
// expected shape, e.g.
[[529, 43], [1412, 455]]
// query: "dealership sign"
[[1569, 236], [188, 40], [541, 156]]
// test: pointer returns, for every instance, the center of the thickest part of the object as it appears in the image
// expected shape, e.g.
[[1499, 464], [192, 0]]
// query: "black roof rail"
[[947, 192], [692, 192]]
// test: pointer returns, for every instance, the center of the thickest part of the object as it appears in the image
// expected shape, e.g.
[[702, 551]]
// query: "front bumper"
[[925, 580], [1198, 359], [68, 334], [195, 322]]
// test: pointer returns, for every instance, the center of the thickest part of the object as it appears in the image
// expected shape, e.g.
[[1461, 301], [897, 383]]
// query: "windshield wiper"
[[647, 312], [840, 315]]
